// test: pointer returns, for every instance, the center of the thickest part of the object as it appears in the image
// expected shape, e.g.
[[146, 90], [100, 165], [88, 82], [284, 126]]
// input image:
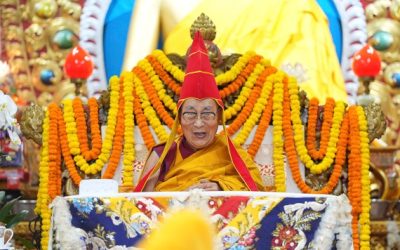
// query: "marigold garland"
[[290, 149], [255, 114], [365, 181], [72, 137], [148, 110], [325, 130], [54, 161], [157, 84], [66, 153], [153, 97], [221, 79], [280, 177], [354, 173], [249, 105], [241, 78], [129, 142], [118, 140], [232, 110], [43, 198], [82, 128], [299, 133], [164, 76], [262, 128], [142, 123]]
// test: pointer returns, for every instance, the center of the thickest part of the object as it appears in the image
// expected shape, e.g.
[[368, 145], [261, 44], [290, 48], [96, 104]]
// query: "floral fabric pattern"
[[243, 222]]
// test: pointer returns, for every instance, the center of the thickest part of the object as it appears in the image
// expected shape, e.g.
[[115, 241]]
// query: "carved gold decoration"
[[38, 35], [206, 27], [208, 31], [376, 121], [383, 28], [31, 123], [14, 44]]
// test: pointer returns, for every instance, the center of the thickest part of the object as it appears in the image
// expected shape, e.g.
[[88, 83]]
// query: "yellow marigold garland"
[[280, 177], [365, 181], [43, 199], [129, 143], [299, 132]]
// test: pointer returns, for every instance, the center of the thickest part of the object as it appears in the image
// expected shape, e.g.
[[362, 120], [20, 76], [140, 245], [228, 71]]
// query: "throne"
[[149, 79]]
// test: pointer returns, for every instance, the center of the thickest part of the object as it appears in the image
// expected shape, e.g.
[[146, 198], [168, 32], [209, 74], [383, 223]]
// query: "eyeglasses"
[[204, 116]]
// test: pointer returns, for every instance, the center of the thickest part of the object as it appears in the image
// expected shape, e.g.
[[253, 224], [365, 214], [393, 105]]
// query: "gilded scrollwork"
[[38, 34]]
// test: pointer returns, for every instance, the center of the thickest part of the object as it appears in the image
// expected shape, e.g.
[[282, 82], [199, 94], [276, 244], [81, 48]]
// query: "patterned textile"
[[243, 220]]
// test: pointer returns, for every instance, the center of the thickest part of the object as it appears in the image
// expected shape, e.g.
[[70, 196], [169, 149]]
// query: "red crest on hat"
[[199, 81]]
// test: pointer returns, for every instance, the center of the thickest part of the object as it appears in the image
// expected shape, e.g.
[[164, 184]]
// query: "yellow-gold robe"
[[212, 163]]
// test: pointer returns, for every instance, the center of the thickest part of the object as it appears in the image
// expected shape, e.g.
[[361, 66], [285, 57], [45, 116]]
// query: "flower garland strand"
[[241, 78], [299, 133], [365, 181], [72, 137], [262, 127], [54, 161], [232, 110], [326, 126], [147, 67], [148, 110], [118, 139], [142, 123], [66, 153], [129, 142], [354, 173], [255, 114], [163, 75], [43, 200], [153, 97], [82, 128], [280, 177], [290, 149], [175, 71], [249, 105]]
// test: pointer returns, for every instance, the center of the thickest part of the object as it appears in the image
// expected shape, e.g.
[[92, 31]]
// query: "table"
[[244, 220]]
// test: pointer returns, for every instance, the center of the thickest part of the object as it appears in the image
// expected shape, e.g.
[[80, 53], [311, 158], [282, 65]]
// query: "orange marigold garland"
[[354, 173], [262, 127], [142, 123], [82, 128], [54, 184], [325, 130], [66, 153]]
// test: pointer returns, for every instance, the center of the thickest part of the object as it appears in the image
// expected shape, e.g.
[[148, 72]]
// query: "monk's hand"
[[207, 185]]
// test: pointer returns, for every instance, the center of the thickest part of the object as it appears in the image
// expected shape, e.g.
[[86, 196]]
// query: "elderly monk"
[[199, 158]]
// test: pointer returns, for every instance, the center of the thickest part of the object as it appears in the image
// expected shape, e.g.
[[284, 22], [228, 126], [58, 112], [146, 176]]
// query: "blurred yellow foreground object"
[[183, 230]]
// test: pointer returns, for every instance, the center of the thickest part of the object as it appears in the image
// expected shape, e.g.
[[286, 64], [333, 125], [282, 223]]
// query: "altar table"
[[244, 220]]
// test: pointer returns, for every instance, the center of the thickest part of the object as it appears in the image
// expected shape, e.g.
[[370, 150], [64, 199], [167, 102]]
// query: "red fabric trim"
[[143, 181], [240, 167]]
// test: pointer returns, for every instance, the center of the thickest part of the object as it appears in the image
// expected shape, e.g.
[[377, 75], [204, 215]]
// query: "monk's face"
[[199, 120]]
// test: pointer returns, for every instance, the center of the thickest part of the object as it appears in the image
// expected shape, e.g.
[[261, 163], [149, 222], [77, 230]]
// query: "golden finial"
[[206, 27]]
